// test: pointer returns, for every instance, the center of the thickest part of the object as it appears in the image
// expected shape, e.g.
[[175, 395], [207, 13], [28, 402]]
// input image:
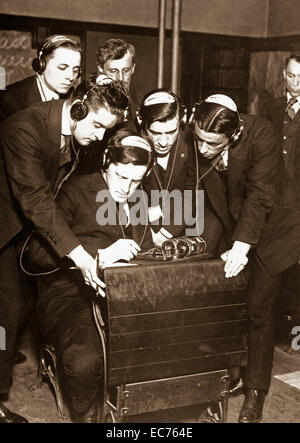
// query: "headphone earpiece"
[[236, 135], [192, 116], [105, 160], [39, 63], [79, 109], [138, 117], [183, 118], [125, 115]]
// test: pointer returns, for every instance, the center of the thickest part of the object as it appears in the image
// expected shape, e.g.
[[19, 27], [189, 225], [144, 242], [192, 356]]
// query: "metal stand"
[[48, 368]]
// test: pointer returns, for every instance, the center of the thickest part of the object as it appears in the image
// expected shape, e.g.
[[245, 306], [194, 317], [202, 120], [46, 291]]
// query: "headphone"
[[79, 109], [226, 102], [49, 45], [162, 97]]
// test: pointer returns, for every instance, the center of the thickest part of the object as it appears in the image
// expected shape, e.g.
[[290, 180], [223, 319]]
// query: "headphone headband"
[[160, 97], [55, 39], [226, 102], [136, 142], [223, 100]]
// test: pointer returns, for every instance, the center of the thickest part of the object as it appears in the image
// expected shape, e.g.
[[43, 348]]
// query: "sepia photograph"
[[150, 214]]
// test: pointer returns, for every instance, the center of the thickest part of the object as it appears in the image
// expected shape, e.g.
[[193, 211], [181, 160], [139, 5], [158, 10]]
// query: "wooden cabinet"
[[173, 330]]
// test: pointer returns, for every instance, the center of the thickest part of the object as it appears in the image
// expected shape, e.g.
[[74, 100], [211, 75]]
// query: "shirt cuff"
[[241, 247], [165, 233], [76, 253]]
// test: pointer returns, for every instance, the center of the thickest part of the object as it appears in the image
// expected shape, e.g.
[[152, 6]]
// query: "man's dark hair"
[[114, 49], [161, 112], [212, 117], [293, 56], [48, 46], [125, 154], [110, 96]]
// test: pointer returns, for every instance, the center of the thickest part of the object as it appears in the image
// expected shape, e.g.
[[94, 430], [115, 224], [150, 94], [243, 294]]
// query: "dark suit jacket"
[[250, 196], [274, 111], [31, 142], [18, 96], [78, 204], [180, 175], [134, 102], [280, 243]]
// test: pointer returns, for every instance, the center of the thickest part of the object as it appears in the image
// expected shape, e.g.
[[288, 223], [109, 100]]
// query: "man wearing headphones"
[[40, 146], [57, 67], [93, 205], [237, 162], [248, 206], [162, 118]]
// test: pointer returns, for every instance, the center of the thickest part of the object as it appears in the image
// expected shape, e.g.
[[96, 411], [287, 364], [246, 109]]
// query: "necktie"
[[65, 150], [289, 109]]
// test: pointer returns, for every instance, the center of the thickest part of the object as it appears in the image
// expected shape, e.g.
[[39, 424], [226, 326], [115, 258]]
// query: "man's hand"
[[88, 266], [123, 249], [235, 259]]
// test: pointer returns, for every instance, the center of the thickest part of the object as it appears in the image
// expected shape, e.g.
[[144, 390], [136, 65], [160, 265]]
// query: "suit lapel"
[[100, 184], [215, 191], [237, 156], [176, 160], [279, 111], [35, 90], [33, 93], [138, 230], [53, 140], [289, 158]]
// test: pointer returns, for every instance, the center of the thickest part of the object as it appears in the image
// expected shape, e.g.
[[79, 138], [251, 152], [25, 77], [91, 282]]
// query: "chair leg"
[[51, 371], [58, 397]]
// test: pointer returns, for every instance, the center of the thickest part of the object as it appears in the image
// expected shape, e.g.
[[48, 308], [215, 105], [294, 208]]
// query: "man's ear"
[[100, 69], [133, 68], [284, 74]]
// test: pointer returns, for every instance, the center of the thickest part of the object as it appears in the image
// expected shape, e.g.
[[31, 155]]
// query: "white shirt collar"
[[163, 161], [65, 124], [288, 96], [66, 120], [46, 93]]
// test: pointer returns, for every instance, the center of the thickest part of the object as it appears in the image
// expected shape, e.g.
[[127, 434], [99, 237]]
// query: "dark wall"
[[92, 36]]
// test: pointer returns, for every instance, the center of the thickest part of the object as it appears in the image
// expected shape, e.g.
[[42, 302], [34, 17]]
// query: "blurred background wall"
[[236, 47]]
